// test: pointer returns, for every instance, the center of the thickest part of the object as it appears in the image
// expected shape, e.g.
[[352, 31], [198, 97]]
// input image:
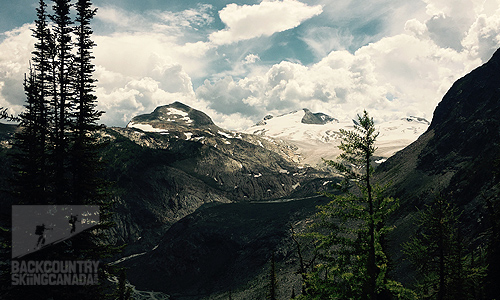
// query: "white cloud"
[[483, 37], [198, 17], [463, 9], [131, 78], [416, 28], [175, 24], [15, 55], [251, 59], [322, 40], [264, 19], [137, 96], [394, 77], [152, 60], [119, 18]]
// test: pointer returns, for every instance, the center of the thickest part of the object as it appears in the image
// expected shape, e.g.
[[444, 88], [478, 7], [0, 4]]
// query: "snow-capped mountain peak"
[[316, 135]]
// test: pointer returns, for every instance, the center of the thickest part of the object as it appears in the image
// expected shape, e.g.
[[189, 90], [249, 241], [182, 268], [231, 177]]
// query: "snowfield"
[[312, 142], [315, 142], [145, 127]]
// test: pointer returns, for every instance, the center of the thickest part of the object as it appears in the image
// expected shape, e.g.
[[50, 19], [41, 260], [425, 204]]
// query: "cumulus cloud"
[[131, 78], [15, 55], [153, 59], [394, 77], [264, 19], [137, 96], [483, 36], [251, 59]]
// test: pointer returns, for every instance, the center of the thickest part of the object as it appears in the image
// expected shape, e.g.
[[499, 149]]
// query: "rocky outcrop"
[[316, 118], [175, 114]]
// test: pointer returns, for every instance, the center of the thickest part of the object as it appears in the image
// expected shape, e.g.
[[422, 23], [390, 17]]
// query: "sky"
[[240, 60]]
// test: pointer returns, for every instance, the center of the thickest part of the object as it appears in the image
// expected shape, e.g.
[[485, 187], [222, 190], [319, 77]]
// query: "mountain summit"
[[163, 117]]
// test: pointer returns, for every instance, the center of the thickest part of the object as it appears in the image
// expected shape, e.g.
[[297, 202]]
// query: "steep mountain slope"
[[316, 135], [455, 157], [225, 247], [168, 163]]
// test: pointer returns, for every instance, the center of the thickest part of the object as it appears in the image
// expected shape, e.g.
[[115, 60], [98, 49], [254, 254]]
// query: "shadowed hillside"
[[456, 157]]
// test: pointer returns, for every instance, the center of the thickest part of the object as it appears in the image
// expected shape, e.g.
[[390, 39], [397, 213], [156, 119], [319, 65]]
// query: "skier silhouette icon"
[[72, 220], [40, 230]]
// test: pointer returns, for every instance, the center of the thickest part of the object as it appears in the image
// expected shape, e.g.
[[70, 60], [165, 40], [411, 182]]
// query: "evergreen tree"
[[31, 145], [85, 163], [350, 230], [42, 63], [305, 265], [27, 149], [57, 152], [62, 98], [437, 251], [493, 249], [492, 233], [272, 280]]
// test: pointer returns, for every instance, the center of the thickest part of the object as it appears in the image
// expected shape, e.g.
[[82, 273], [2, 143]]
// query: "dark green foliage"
[[29, 149], [305, 265], [350, 229], [438, 253], [56, 154], [62, 98], [85, 160], [492, 233]]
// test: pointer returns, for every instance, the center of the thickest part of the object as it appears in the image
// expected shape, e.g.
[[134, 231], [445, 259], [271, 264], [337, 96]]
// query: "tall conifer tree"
[[59, 128], [352, 262], [31, 144], [44, 47], [437, 251], [27, 182], [85, 162], [62, 105]]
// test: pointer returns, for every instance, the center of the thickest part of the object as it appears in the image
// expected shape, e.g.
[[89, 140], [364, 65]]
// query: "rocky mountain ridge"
[[187, 190]]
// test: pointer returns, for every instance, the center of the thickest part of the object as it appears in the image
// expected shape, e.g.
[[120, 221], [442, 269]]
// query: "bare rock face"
[[316, 118]]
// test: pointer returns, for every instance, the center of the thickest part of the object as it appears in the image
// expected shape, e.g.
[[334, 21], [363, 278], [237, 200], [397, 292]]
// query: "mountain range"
[[454, 158], [202, 208]]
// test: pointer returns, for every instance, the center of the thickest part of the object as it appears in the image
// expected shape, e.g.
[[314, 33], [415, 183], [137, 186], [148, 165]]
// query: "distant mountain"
[[457, 157], [168, 163], [171, 116], [316, 135]]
